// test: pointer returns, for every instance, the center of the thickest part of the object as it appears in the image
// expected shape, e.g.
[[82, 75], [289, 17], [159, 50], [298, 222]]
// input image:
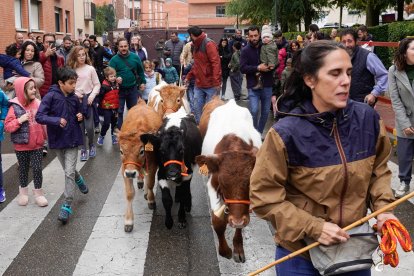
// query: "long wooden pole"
[[356, 223]]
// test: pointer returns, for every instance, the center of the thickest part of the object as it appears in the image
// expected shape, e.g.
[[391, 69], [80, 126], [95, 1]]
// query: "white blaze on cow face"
[[174, 119]]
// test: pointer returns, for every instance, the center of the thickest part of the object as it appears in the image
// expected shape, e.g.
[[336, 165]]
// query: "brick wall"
[[46, 19]]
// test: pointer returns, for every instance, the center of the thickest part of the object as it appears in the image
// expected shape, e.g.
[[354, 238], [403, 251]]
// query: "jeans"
[[201, 97], [130, 97], [68, 158], [405, 153], [190, 97], [299, 266], [88, 123], [262, 96]]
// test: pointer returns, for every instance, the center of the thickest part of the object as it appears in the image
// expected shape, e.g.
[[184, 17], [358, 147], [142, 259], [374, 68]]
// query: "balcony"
[[89, 10]]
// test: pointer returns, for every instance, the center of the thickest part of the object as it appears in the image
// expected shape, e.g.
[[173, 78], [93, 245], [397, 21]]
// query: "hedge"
[[391, 32]]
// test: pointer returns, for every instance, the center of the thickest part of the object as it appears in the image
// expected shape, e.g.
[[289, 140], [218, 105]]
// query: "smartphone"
[[53, 45]]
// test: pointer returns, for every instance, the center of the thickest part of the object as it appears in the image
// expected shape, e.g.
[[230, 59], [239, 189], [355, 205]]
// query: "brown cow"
[[166, 99], [137, 158], [229, 153], [207, 109]]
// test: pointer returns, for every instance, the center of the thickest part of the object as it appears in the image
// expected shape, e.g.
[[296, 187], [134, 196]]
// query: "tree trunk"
[[400, 10], [341, 8], [373, 14], [307, 17]]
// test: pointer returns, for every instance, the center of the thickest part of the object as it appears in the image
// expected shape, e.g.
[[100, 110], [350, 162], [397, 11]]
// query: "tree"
[[288, 12], [372, 8], [105, 19]]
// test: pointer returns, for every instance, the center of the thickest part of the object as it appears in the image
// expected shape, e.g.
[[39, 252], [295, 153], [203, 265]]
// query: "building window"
[[18, 14], [67, 17], [57, 20], [34, 14], [220, 11]]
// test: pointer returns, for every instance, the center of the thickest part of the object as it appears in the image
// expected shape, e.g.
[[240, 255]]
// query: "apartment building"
[[209, 14], [37, 16]]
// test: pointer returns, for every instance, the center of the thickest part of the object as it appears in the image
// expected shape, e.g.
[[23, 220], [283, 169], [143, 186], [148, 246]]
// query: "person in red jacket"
[[50, 62], [109, 104], [206, 69]]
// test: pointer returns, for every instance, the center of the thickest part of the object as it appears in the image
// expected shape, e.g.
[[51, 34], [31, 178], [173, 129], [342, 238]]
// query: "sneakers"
[[44, 152], [100, 140], [92, 151], [402, 190], [82, 185], [84, 155], [114, 140], [2, 195], [259, 83], [64, 214]]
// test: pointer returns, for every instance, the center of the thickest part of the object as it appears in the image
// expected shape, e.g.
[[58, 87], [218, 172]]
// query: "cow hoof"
[[140, 185], [226, 254], [239, 258], [145, 196], [169, 223], [187, 209], [152, 205], [128, 228]]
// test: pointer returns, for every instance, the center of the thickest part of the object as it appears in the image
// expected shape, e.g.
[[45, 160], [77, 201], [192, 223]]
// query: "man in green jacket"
[[130, 73]]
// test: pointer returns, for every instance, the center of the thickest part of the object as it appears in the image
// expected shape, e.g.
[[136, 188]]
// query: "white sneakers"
[[402, 190]]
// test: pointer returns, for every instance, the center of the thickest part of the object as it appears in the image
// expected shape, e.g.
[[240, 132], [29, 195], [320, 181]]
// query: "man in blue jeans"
[[129, 68], [250, 65], [206, 70]]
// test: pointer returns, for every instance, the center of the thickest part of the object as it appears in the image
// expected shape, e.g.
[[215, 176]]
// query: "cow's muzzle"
[[131, 173]]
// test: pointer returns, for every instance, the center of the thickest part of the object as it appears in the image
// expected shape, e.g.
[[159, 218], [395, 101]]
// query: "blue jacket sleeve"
[[4, 105], [42, 115], [17, 66]]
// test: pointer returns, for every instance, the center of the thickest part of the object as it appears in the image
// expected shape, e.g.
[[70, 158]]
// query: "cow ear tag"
[[149, 147], [203, 170]]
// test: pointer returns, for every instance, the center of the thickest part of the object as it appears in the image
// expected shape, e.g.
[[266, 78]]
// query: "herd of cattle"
[[163, 138]]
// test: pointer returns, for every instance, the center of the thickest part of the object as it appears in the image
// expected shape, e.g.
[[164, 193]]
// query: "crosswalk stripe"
[[111, 251], [8, 160], [22, 221]]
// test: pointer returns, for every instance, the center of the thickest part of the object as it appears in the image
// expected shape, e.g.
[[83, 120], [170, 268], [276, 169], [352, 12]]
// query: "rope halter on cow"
[[141, 170], [184, 169]]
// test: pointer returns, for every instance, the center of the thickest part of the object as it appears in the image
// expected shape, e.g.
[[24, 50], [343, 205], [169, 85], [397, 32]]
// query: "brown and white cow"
[[138, 159], [229, 153], [207, 109], [168, 98]]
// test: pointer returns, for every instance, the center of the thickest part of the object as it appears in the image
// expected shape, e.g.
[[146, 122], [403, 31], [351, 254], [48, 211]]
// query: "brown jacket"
[[298, 199]]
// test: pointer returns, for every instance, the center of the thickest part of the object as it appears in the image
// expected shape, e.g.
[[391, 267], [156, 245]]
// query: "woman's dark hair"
[[24, 47], [307, 62], [195, 31], [400, 59], [12, 50], [223, 39], [294, 42]]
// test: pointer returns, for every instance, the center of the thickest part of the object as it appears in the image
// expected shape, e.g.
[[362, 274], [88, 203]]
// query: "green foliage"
[[105, 19], [256, 11]]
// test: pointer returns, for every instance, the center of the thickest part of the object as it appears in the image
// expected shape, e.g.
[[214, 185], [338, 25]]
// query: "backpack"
[[202, 47]]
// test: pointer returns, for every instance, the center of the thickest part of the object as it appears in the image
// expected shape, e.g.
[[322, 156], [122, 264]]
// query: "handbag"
[[353, 255]]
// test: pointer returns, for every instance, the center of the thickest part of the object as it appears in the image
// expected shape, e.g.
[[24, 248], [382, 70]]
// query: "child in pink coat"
[[28, 138]]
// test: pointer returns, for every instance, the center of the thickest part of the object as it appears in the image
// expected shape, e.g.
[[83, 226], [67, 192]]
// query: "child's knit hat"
[[266, 31]]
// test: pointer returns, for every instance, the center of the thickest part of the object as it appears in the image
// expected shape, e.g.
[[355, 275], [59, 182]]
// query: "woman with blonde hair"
[[87, 88]]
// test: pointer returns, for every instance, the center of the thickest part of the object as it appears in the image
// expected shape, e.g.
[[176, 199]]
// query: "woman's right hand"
[[408, 131], [332, 234]]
